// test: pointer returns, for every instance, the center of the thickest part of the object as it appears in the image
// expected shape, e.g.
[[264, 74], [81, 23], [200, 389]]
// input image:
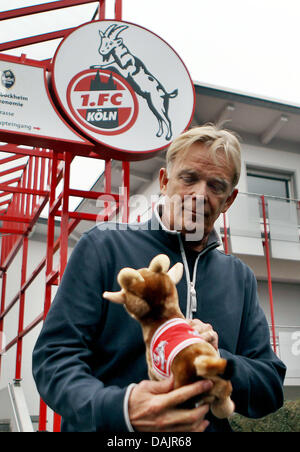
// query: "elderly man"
[[89, 362]]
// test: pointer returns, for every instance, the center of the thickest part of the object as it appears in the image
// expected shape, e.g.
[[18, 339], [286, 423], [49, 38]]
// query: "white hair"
[[215, 140]]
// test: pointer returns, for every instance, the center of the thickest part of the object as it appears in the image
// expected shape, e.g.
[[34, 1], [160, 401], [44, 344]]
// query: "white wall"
[[264, 157], [281, 250], [286, 299]]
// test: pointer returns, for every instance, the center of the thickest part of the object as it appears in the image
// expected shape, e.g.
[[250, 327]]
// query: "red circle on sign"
[[90, 113]]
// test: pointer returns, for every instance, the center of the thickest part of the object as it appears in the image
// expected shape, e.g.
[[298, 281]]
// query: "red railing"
[[30, 192], [47, 7]]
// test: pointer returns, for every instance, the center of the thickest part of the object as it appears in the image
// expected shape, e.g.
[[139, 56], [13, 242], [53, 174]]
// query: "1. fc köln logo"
[[122, 86], [102, 101]]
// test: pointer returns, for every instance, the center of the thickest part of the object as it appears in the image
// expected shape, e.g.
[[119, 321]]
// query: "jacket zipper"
[[191, 305], [193, 297]]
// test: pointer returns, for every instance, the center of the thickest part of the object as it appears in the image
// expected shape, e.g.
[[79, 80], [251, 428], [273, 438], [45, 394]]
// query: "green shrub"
[[286, 419]]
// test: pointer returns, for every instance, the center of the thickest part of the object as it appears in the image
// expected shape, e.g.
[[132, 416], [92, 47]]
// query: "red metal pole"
[[21, 310], [107, 185], [225, 234], [56, 423], [126, 191], [12, 148], [49, 265], [12, 170], [21, 212], [35, 39], [36, 9], [29, 185], [43, 416], [64, 236], [3, 247], [50, 234], [8, 189], [3, 293], [4, 202], [266, 243], [118, 10], [102, 9], [15, 218], [65, 215], [43, 169], [35, 181], [11, 159]]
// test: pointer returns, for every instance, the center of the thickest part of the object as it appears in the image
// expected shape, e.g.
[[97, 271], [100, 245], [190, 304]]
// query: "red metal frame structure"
[[225, 238], [31, 192]]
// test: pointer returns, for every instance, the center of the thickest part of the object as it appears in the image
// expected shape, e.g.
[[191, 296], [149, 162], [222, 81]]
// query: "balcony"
[[250, 220], [253, 218]]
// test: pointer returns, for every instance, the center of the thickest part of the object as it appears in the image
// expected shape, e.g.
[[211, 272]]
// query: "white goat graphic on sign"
[[135, 72]]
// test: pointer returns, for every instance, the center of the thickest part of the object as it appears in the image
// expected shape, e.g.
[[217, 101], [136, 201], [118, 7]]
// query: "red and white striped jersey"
[[168, 340]]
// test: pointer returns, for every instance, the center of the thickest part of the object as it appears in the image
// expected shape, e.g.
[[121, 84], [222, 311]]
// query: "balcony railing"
[[253, 218], [250, 220], [288, 350]]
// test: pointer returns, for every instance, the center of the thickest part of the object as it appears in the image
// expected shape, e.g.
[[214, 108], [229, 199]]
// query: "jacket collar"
[[155, 224]]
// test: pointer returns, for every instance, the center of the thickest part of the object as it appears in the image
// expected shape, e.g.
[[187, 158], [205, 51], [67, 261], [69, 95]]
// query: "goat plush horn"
[[115, 297], [176, 272], [160, 263]]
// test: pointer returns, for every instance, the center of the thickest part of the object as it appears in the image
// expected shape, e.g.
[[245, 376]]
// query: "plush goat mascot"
[[172, 346]]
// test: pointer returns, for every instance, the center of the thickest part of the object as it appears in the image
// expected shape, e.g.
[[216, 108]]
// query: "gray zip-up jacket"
[[90, 351]]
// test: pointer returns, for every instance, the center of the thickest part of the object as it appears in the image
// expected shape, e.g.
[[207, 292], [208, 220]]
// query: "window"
[[269, 183]]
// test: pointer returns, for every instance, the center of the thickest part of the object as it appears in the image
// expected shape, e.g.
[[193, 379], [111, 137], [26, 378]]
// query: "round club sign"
[[123, 86]]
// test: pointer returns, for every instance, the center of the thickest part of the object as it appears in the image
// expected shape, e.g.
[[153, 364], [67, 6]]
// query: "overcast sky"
[[244, 45], [248, 46]]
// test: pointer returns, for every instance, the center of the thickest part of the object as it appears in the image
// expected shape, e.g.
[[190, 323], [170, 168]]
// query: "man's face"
[[197, 190]]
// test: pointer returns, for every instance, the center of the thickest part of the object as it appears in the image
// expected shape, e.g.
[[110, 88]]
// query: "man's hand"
[[152, 407], [206, 331]]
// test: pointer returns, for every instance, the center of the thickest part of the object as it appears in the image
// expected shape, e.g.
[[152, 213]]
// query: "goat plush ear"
[[115, 297], [127, 276], [160, 263], [176, 272]]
